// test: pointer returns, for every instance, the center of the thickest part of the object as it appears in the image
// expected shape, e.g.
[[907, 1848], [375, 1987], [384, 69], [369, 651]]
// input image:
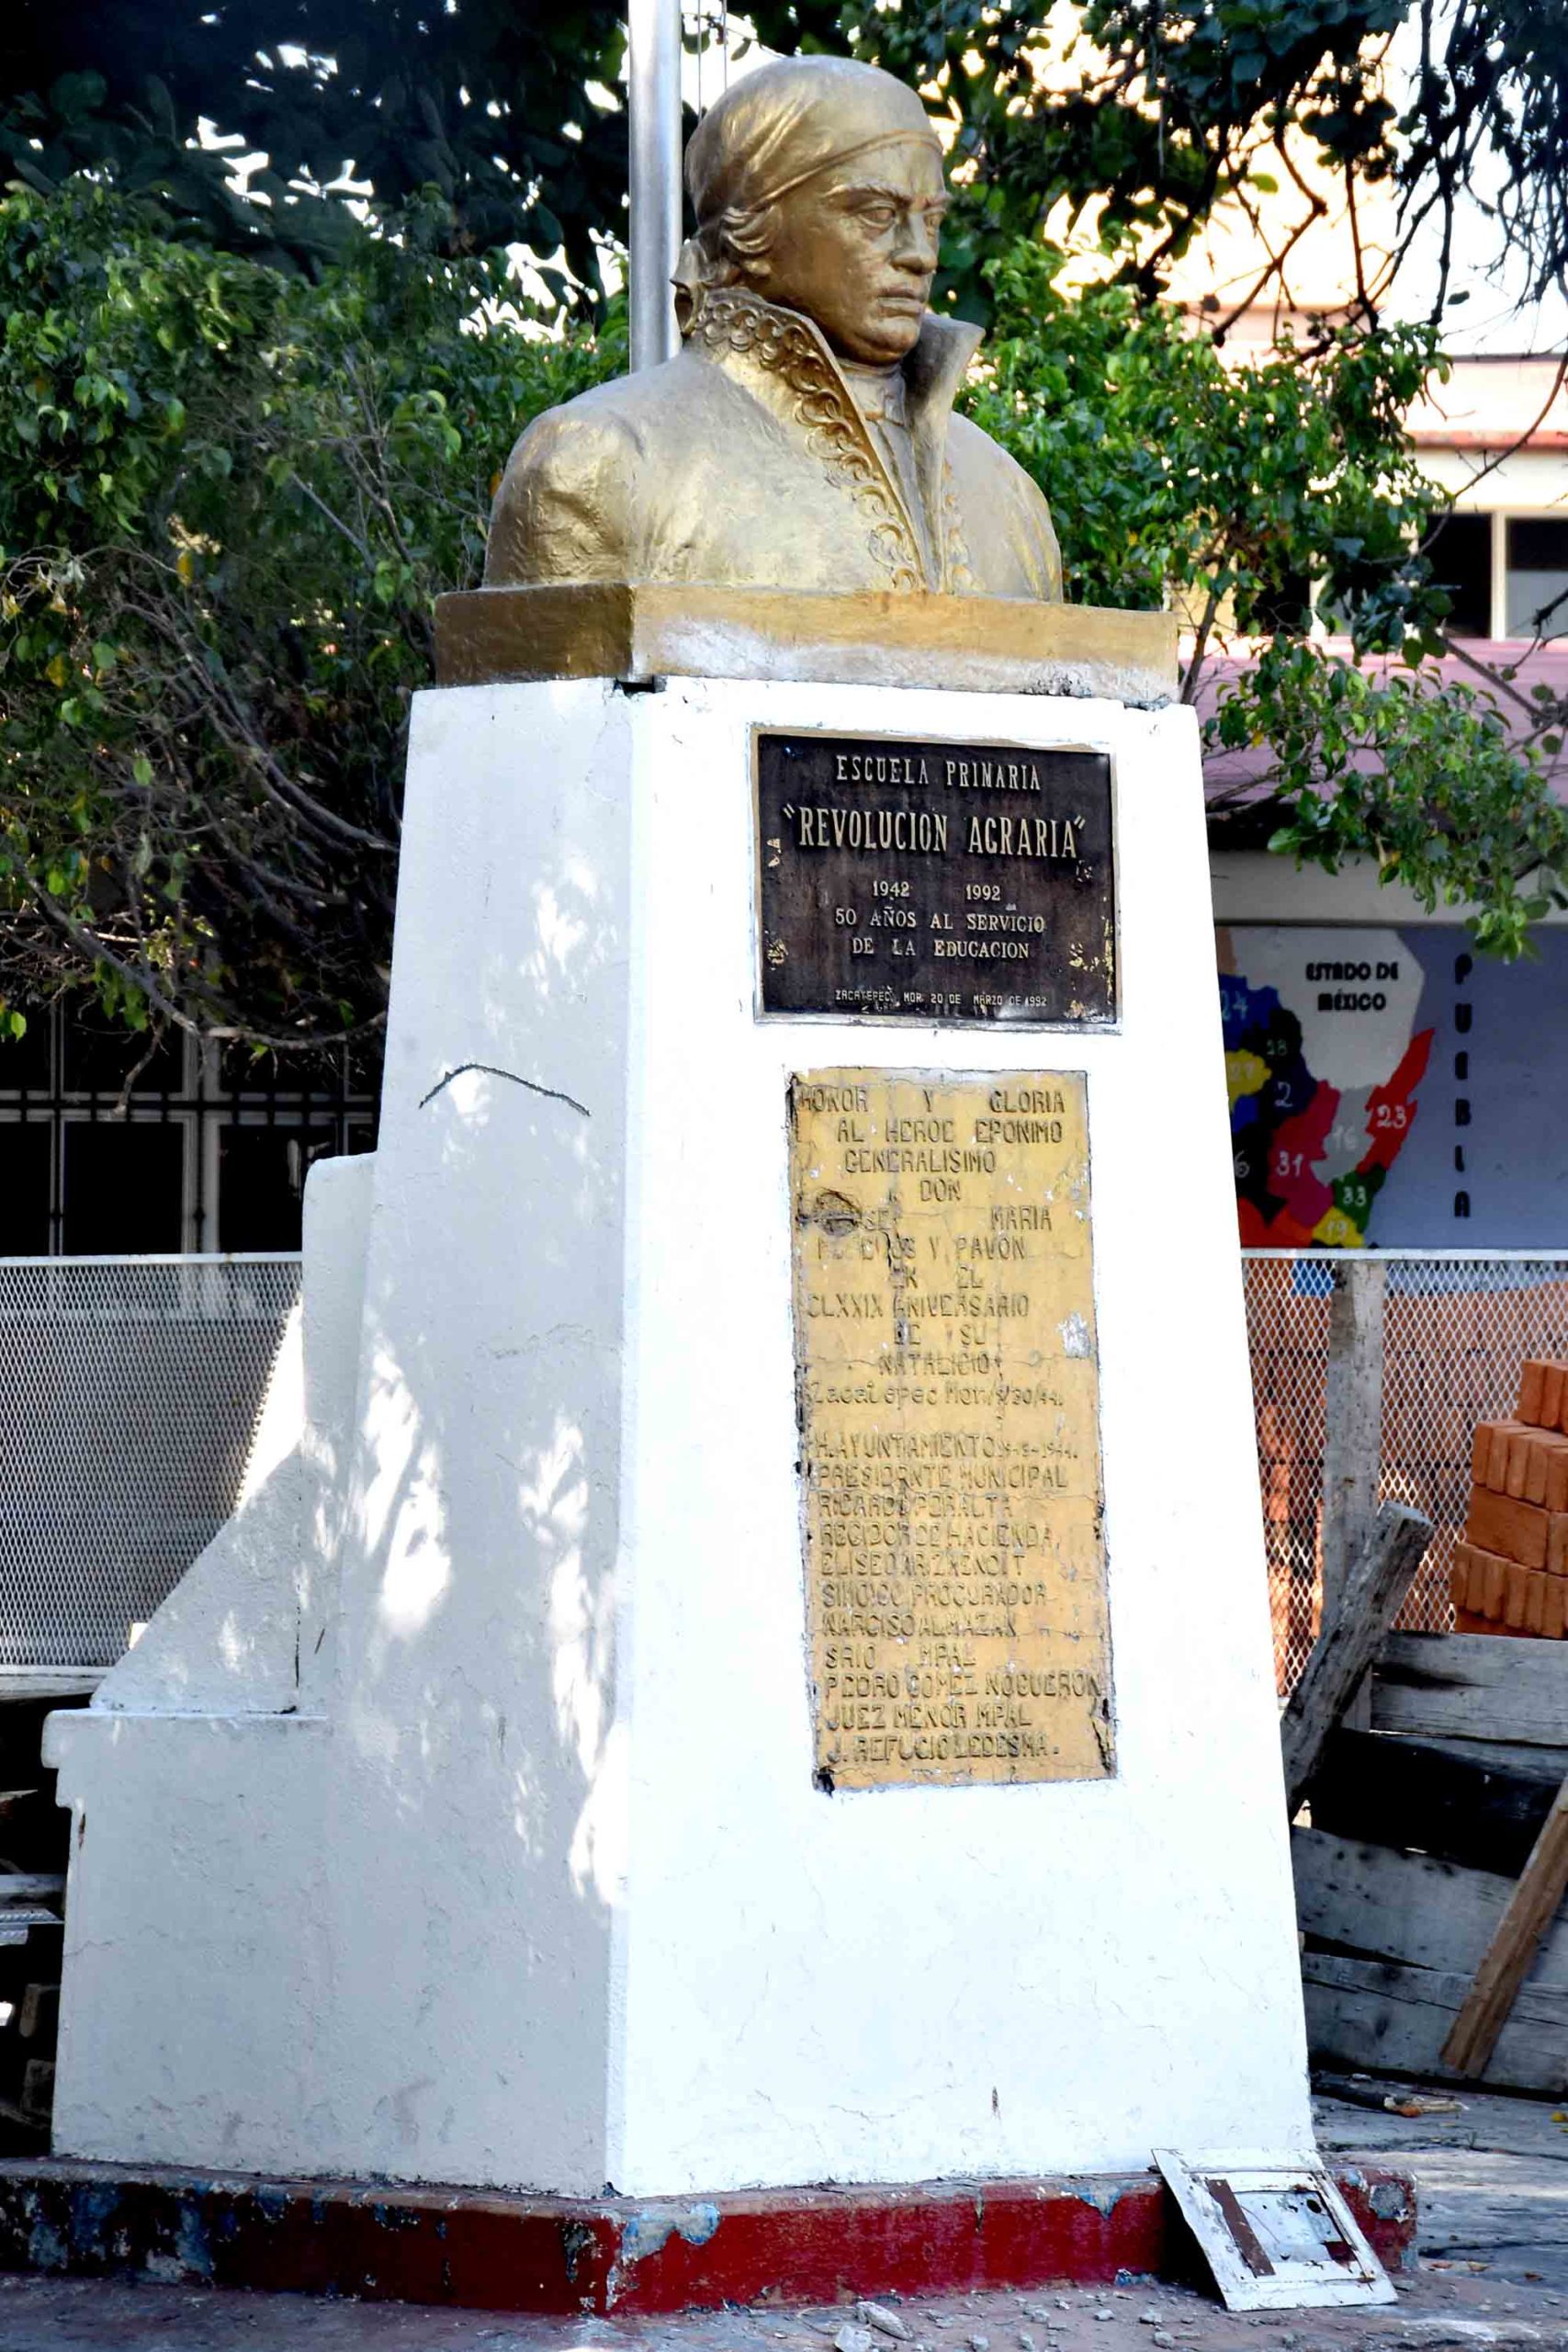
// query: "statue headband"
[[769, 134], [842, 155]]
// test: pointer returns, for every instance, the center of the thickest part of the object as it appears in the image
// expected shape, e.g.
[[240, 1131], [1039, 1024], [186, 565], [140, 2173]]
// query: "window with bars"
[[108, 1148], [1460, 555], [1507, 575], [1537, 576]]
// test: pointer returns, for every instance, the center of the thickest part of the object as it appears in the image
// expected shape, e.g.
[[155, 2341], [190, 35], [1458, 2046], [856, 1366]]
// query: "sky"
[[1498, 314]]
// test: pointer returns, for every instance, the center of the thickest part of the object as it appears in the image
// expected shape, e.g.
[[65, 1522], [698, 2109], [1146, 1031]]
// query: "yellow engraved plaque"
[[949, 1426]]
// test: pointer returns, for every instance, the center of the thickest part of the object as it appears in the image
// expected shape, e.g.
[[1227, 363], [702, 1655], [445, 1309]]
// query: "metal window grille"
[[1456, 1331], [130, 1392], [108, 1146]]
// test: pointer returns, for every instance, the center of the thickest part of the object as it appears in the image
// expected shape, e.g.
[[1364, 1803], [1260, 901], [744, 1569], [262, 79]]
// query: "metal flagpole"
[[653, 44]]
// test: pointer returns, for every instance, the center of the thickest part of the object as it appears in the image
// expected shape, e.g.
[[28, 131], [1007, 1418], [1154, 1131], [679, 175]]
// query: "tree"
[[234, 493], [511, 113], [245, 460], [514, 112], [1154, 111], [1232, 490], [229, 497]]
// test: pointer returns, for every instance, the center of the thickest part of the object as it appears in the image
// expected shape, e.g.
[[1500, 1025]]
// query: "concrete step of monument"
[[487, 2250]]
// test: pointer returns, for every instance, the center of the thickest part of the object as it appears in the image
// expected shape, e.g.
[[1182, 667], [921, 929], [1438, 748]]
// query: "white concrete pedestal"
[[455, 1820]]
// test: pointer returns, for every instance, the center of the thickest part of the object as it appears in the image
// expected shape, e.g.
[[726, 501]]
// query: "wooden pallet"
[[1419, 1830]]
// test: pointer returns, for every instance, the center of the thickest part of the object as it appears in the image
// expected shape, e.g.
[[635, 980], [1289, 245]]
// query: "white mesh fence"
[[129, 1391], [1456, 1331]]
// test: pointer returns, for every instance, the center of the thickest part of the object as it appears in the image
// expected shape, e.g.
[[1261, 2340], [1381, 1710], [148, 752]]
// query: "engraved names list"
[[949, 1407]]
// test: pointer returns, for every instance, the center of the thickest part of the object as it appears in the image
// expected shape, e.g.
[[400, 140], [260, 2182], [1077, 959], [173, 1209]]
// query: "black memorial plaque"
[[920, 881]]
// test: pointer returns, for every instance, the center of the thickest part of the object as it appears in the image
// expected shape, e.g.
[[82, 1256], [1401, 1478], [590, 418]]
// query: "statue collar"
[[932, 372], [785, 360]]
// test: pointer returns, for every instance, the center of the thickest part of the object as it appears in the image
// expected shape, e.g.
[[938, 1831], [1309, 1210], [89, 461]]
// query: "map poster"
[[1397, 1088], [1325, 1061]]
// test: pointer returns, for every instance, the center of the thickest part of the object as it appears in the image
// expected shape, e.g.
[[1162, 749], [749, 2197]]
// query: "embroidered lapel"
[[783, 361]]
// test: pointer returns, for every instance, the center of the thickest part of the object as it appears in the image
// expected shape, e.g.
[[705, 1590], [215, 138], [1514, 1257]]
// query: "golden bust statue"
[[803, 437]]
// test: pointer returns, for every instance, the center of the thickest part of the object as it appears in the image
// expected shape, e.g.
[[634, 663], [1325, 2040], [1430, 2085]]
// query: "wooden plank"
[[1409, 1908], [1478, 1803], [1376, 2014], [1511, 1954], [1352, 1635], [1473, 1685], [1352, 1421], [1546, 1764]]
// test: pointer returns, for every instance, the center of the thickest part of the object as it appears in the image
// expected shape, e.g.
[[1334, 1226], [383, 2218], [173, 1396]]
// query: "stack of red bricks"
[[1510, 1572]]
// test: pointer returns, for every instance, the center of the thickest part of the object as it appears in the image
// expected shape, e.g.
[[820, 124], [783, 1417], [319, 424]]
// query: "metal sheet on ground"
[[1276, 2236]]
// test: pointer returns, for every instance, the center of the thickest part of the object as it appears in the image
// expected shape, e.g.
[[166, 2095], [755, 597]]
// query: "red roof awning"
[[1236, 783]]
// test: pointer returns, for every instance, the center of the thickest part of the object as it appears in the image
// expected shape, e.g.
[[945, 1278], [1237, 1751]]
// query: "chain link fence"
[[1455, 1331], [129, 1394]]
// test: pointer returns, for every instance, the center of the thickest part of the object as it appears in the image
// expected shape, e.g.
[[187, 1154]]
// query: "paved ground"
[[1493, 2179], [64, 2316], [1494, 2191]]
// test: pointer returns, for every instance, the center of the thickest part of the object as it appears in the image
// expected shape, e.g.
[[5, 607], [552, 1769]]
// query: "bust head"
[[748, 461], [817, 182]]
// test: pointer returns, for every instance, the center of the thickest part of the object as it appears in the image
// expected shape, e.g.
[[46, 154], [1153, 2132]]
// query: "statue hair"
[[724, 252]]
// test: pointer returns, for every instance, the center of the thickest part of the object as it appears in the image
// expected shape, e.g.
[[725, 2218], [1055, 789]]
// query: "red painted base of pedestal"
[[486, 2251]]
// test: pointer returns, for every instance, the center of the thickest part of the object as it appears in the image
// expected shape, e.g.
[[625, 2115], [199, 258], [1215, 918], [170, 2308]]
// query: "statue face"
[[855, 248]]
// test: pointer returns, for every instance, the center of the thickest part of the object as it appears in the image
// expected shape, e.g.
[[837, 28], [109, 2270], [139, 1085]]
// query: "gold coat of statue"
[[803, 437]]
